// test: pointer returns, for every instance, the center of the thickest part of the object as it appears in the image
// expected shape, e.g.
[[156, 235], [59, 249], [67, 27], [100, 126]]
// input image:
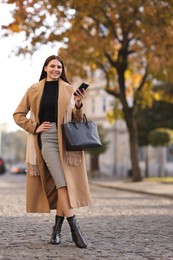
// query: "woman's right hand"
[[43, 127]]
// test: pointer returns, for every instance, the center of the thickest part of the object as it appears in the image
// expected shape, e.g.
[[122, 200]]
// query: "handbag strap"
[[85, 120], [73, 120]]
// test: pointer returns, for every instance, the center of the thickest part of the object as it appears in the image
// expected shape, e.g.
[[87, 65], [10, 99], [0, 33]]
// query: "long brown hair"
[[44, 73]]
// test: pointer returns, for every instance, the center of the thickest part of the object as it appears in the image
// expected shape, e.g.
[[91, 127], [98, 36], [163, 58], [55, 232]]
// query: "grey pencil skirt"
[[50, 153]]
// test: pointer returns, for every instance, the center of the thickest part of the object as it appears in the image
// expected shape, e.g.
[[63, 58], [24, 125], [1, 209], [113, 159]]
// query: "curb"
[[103, 185]]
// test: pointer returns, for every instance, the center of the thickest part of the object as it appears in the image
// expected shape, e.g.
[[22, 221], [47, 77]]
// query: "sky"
[[17, 73]]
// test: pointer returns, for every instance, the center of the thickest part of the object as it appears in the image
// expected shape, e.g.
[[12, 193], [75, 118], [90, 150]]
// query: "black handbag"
[[81, 136]]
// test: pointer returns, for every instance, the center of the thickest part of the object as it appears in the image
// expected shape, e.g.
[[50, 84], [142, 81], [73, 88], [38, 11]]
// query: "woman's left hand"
[[78, 97]]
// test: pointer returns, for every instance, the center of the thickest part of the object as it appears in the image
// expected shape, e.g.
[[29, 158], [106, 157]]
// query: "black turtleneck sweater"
[[48, 104]]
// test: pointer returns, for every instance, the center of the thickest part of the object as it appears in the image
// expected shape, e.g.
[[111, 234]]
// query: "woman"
[[56, 179]]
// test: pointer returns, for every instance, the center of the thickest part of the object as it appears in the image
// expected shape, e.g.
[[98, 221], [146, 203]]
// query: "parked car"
[[2, 166], [18, 168]]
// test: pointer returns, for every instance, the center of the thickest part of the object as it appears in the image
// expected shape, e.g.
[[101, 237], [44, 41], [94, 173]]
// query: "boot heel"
[[73, 239]]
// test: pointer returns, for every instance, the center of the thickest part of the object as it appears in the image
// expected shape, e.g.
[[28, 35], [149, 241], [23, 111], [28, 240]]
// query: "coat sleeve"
[[78, 113], [20, 115]]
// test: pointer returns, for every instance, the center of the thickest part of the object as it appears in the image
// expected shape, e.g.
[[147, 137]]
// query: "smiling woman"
[[54, 177], [53, 70]]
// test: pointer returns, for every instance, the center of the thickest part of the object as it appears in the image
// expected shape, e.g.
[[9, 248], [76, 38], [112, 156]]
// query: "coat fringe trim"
[[32, 169], [73, 158]]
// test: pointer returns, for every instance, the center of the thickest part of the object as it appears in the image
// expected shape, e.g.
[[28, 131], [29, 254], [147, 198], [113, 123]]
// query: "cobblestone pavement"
[[118, 225]]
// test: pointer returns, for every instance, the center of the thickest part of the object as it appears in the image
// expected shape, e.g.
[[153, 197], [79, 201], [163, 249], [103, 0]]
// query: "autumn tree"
[[130, 41]]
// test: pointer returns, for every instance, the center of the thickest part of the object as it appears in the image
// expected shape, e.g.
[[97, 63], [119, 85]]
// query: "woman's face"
[[53, 69]]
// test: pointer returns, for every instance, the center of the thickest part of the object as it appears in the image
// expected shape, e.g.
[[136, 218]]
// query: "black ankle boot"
[[76, 234], [56, 233]]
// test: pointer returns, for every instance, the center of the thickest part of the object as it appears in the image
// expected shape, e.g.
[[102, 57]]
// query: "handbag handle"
[[85, 120]]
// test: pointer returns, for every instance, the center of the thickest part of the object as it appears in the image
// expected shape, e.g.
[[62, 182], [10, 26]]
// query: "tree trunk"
[[133, 140], [121, 67], [94, 163], [94, 166], [161, 171], [146, 163]]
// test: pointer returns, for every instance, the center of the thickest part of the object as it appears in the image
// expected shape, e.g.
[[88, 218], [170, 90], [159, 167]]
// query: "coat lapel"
[[36, 99]]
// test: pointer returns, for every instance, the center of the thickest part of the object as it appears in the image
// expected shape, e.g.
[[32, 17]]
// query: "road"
[[118, 225]]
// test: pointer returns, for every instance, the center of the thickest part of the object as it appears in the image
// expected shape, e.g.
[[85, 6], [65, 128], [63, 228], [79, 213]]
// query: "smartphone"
[[81, 87]]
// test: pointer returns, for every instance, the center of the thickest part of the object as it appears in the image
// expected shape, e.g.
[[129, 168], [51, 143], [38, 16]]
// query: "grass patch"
[[168, 179]]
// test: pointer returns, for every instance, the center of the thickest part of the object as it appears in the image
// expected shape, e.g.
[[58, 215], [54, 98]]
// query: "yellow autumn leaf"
[[156, 96], [14, 27]]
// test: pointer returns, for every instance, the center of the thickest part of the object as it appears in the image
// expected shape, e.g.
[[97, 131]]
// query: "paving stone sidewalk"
[[119, 225]]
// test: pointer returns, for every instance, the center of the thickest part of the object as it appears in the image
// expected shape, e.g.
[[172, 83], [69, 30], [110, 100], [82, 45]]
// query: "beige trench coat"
[[41, 194]]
